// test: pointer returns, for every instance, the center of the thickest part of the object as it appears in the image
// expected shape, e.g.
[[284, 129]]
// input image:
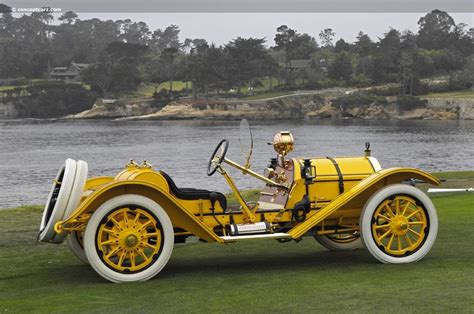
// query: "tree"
[[246, 60], [327, 36], [69, 17], [117, 70], [206, 64], [169, 55], [384, 65], [295, 46], [407, 62], [341, 67], [134, 33], [435, 30], [169, 38], [364, 45], [342, 45]]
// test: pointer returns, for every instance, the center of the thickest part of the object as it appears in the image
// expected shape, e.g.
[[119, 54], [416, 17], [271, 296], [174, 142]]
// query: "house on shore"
[[295, 64], [70, 74]]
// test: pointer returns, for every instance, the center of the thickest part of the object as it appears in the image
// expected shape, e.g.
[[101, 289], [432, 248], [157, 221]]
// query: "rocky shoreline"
[[301, 105], [306, 106]]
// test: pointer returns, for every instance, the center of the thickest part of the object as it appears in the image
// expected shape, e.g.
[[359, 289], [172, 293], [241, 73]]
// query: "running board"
[[278, 235]]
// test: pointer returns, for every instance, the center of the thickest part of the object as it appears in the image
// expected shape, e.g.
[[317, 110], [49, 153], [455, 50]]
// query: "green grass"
[[248, 195], [254, 276], [5, 87], [468, 93]]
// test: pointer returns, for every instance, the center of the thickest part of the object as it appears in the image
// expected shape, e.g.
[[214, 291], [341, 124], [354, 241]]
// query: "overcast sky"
[[222, 27]]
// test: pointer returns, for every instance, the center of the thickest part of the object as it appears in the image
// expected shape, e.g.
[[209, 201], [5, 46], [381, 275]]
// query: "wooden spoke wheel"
[[399, 224], [129, 238]]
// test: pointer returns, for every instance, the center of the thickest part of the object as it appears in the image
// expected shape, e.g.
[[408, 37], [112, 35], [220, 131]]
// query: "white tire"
[[63, 199], [102, 258], [76, 246], [333, 244], [57, 200], [374, 228]]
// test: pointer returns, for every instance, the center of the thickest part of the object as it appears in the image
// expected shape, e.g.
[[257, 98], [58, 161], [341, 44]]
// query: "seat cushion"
[[193, 194]]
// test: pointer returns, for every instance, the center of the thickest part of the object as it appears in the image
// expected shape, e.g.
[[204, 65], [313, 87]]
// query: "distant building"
[[71, 73], [471, 33], [296, 64]]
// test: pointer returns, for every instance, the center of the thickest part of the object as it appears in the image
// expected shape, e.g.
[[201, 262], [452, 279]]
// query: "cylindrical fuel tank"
[[333, 176]]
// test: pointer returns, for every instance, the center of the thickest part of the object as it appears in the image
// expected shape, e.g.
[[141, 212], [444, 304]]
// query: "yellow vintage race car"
[[126, 226]]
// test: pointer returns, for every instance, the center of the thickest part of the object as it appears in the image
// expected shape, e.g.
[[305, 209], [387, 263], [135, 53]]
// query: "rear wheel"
[[340, 242], [399, 224], [75, 240], [129, 238]]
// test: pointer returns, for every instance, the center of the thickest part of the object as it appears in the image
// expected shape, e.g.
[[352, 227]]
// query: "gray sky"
[[222, 27]]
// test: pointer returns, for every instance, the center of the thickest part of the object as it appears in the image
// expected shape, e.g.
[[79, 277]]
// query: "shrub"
[[353, 100], [409, 103], [14, 82], [53, 100]]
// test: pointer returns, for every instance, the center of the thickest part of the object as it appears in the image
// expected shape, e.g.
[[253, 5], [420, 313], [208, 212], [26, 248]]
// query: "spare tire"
[[63, 199]]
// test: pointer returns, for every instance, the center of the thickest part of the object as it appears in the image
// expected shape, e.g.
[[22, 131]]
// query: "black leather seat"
[[194, 194]]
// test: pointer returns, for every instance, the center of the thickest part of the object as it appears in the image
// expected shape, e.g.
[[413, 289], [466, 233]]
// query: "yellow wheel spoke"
[[112, 232], [132, 259], [384, 217], [416, 222], [384, 235], [405, 208], [110, 241], [413, 213], [413, 231], [146, 244], [125, 217], [112, 253], [408, 239], [399, 240], [142, 254], [123, 256], [389, 244], [382, 226], [115, 222], [145, 225], [137, 217], [390, 210], [397, 206]]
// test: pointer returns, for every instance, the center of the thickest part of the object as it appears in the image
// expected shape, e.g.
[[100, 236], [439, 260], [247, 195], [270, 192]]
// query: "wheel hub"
[[131, 240], [399, 225]]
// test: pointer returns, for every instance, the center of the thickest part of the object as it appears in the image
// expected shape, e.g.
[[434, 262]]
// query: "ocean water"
[[31, 151]]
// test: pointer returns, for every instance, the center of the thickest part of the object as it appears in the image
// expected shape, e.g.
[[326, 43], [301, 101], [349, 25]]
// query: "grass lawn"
[[253, 276], [5, 88], [468, 93]]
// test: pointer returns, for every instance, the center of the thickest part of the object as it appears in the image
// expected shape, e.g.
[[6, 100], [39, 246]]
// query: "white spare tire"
[[63, 199]]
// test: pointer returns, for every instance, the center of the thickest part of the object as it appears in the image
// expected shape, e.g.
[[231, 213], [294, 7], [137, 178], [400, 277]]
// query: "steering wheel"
[[217, 157]]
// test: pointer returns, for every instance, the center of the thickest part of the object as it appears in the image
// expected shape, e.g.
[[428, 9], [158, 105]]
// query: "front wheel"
[[399, 224], [129, 238]]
